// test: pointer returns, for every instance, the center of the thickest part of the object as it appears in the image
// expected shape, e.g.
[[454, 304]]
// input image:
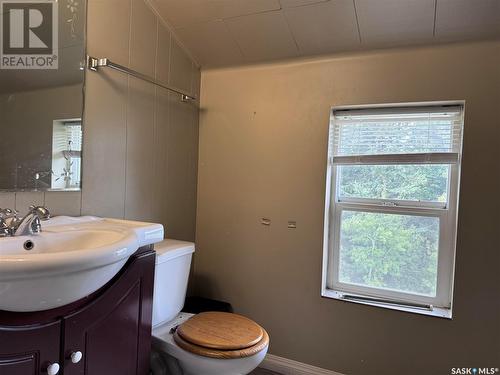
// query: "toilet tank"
[[173, 262]]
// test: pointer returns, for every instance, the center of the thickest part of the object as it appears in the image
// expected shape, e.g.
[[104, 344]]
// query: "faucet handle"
[[42, 212], [7, 213], [4, 228]]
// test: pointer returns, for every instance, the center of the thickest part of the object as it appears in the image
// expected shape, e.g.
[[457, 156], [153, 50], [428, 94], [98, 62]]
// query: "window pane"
[[389, 251], [401, 182]]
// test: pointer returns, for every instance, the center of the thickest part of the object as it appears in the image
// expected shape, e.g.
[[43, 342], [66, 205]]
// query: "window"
[[66, 154], [391, 206]]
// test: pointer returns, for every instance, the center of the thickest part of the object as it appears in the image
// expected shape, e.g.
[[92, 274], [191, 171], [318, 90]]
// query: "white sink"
[[70, 259]]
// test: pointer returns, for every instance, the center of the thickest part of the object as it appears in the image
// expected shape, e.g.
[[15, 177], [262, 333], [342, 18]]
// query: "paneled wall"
[[263, 146], [140, 142]]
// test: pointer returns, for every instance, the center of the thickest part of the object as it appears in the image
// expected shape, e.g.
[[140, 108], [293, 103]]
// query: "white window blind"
[[68, 137], [74, 135], [402, 135]]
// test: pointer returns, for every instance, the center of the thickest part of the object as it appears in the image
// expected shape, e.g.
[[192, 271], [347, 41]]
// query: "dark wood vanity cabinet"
[[26, 350], [111, 329]]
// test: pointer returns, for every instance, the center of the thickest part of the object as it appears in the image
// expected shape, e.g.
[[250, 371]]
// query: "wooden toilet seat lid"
[[221, 331], [222, 354]]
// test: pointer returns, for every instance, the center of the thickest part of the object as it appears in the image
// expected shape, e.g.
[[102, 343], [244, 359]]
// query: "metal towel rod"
[[94, 64]]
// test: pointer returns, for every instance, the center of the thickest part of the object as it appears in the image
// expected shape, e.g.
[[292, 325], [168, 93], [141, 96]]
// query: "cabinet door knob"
[[76, 357], [53, 369]]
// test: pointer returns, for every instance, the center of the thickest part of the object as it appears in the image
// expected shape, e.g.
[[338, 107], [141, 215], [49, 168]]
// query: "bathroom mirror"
[[41, 106]]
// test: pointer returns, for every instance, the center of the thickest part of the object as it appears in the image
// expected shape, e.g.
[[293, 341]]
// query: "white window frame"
[[441, 304]]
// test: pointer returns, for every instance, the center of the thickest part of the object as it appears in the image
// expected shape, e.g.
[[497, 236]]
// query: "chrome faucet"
[[31, 223]]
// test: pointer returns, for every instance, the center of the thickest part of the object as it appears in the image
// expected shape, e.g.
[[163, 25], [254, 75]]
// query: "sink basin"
[[70, 259]]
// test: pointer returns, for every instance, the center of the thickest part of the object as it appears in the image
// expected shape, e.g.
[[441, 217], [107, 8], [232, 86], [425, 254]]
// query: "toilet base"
[[164, 364]]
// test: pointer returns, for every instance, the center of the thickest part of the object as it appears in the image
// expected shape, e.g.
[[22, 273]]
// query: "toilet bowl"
[[211, 343]]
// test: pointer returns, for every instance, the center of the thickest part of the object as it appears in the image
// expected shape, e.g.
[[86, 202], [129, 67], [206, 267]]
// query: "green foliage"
[[405, 182], [388, 250]]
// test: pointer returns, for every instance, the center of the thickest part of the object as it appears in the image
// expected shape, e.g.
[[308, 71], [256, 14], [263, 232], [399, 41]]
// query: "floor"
[[261, 371]]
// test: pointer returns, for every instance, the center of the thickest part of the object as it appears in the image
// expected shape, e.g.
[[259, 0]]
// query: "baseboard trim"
[[288, 367]]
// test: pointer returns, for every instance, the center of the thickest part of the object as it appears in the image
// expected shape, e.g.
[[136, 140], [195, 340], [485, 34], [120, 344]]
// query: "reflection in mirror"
[[66, 153], [41, 114]]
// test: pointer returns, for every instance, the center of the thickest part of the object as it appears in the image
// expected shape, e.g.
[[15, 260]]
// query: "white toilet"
[[187, 344]]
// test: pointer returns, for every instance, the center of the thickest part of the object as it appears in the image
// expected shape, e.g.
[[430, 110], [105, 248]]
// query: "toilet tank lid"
[[169, 249]]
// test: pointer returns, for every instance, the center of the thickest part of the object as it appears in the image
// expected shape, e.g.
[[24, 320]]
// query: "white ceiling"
[[233, 32]]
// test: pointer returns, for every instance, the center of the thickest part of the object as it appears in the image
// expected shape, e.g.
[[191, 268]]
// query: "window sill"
[[438, 312]]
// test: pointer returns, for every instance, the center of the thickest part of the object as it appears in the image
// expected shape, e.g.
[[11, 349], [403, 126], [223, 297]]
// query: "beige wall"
[[140, 142], [263, 144]]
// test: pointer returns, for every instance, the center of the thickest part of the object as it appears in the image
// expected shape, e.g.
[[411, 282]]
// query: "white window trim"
[[441, 305]]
